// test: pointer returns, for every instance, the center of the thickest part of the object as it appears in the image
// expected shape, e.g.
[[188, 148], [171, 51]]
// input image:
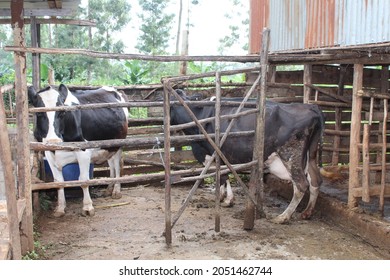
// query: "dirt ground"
[[132, 228]]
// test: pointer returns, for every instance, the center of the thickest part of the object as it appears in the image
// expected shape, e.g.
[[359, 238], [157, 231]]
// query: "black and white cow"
[[80, 125], [292, 136]]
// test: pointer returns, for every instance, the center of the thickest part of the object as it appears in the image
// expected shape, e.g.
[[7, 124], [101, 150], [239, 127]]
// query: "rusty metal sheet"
[[305, 24]]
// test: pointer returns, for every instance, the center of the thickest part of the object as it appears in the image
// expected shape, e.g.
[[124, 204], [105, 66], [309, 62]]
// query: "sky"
[[209, 24]]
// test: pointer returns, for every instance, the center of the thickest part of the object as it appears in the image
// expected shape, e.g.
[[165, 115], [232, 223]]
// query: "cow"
[[80, 125], [293, 133]]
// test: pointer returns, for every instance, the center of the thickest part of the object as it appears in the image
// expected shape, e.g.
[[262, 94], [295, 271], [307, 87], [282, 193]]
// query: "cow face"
[[49, 126]]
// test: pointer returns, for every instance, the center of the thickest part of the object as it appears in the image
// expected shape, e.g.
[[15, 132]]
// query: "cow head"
[[49, 125]]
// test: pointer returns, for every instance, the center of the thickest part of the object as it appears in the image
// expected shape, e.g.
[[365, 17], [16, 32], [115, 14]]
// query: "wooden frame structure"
[[360, 149]]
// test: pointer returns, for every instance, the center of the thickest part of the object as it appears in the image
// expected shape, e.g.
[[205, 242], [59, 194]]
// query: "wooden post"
[[307, 71], [366, 164], [217, 158], [167, 163], [256, 185], [184, 52], [23, 149], [384, 150], [354, 153], [9, 179], [384, 88], [36, 77], [338, 116]]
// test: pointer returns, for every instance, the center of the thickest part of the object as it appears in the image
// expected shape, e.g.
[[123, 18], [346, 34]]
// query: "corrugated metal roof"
[[305, 24], [364, 22], [43, 7]]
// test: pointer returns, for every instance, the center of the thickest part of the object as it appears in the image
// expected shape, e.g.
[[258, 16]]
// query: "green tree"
[[238, 33], [110, 16], [155, 28], [155, 35]]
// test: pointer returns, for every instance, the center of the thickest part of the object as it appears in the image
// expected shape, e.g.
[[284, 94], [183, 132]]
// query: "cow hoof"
[[108, 192], [90, 213], [280, 220], [306, 215], [58, 214], [227, 203], [116, 195]]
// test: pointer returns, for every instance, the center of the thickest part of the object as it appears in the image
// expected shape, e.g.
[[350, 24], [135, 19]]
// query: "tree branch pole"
[[256, 184], [167, 167]]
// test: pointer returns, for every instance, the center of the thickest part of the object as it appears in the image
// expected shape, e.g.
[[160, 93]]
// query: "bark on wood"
[[354, 153], [256, 184], [23, 152], [9, 179]]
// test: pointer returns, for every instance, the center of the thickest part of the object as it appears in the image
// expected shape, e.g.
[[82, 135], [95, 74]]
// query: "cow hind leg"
[[114, 190], [286, 215], [314, 178]]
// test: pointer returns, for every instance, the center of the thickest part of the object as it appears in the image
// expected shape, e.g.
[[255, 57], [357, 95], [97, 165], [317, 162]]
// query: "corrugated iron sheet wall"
[[299, 24]]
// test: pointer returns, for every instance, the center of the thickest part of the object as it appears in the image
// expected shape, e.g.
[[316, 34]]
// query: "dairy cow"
[[292, 137], [80, 125]]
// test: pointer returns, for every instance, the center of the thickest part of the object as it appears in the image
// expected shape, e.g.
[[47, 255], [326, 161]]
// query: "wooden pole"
[[384, 150], [9, 179], [184, 52], [217, 158], [366, 164], [256, 185], [307, 73], [354, 153], [338, 116], [167, 163], [36, 79], [23, 151]]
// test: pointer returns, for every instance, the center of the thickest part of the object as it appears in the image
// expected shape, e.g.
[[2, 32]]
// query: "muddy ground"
[[132, 228]]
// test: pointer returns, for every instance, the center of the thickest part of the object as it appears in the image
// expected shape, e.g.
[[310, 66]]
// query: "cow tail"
[[321, 126]]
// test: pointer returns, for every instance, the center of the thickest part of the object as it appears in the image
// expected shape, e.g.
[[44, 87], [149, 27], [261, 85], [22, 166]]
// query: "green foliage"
[[36, 254], [237, 33], [155, 28], [135, 73], [202, 67], [45, 201], [138, 113], [110, 16], [7, 76]]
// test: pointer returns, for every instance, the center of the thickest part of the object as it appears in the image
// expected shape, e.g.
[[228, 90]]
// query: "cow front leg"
[[286, 215], [88, 209], [229, 200], [58, 177], [61, 203], [84, 160]]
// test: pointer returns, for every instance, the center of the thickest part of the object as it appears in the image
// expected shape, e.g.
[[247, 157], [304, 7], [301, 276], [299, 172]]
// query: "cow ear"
[[32, 95], [63, 90]]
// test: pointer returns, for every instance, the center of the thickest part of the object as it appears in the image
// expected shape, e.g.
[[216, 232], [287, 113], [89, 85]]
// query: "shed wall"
[[306, 24]]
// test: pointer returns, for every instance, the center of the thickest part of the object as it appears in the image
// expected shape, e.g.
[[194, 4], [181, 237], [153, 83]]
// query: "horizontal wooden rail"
[[160, 58], [136, 142], [135, 104], [176, 175]]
